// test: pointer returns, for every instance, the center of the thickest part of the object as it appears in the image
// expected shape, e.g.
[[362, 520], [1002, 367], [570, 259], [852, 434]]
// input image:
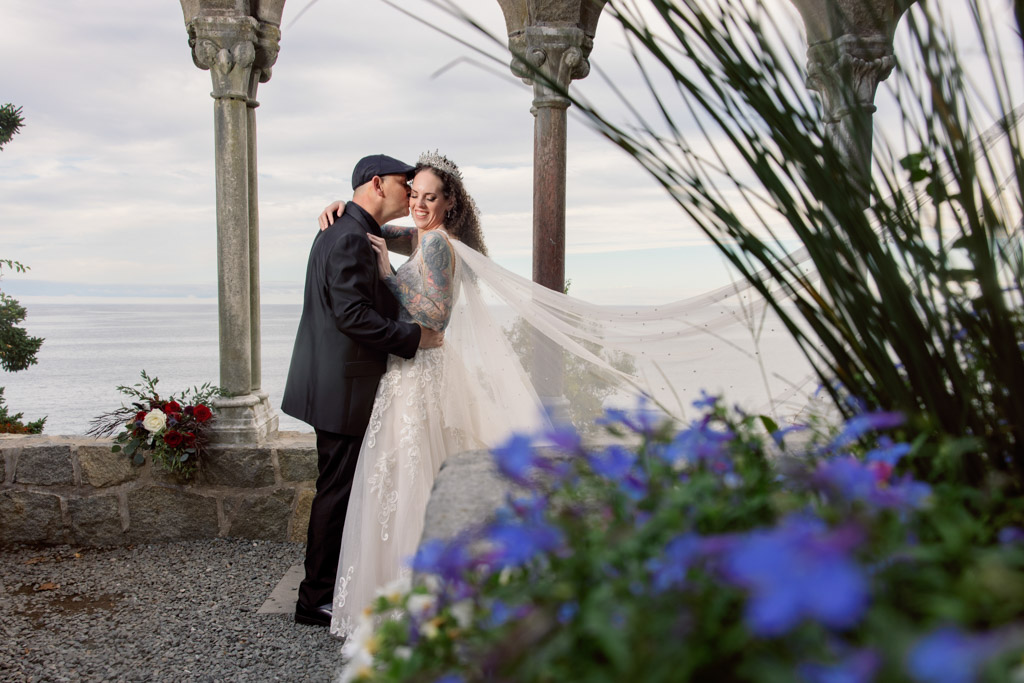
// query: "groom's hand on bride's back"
[[327, 217], [430, 339]]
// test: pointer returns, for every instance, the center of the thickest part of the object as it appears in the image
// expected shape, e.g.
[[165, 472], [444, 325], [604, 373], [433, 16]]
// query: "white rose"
[[154, 421]]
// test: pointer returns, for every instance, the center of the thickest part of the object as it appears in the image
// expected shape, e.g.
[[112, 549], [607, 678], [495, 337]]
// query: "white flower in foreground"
[[396, 589], [420, 605], [357, 668], [403, 652], [363, 640], [154, 421], [463, 613]]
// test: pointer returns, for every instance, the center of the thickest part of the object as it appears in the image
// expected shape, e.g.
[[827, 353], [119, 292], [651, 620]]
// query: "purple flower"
[[949, 655], [707, 401], [566, 438], [1011, 534], [701, 443], [567, 612], [850, 479], [516, 543], [516, 459], [860, 425], [446, 558], [859, 667], [669, 569], [798, 570], [888, 452], [618, 464], [450, 678]]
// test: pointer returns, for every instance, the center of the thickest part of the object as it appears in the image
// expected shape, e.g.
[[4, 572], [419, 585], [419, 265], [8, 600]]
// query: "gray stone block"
[[298, 464], [102, 468], [300, 518], [45, 465], [157, 514], [467, 491], [239, 466], [29, 517], [96, 521], [261, 516]]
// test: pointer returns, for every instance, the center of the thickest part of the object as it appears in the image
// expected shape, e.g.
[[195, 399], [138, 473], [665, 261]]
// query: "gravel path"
[[166, 612]]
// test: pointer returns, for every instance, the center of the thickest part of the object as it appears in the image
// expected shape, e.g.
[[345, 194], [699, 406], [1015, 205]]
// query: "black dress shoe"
[[313, 616]]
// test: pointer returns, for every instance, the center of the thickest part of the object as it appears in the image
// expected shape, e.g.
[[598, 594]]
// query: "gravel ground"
[[163, 612]]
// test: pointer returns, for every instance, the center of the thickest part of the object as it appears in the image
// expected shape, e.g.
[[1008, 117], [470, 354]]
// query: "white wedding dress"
[[470, 393]]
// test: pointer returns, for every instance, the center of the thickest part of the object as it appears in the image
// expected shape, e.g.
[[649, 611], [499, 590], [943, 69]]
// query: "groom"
[[347, 329]]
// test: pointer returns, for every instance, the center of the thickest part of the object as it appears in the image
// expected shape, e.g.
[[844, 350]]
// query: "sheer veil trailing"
[[513, 335]]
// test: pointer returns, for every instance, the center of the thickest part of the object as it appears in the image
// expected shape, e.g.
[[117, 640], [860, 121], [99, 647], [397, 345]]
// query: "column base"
[[247, 419]]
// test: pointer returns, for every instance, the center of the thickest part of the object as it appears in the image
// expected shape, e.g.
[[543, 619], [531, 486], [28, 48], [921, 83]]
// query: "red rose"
[[140, 416], [172, 407], [190, 438], [201, 413], [173, 439]]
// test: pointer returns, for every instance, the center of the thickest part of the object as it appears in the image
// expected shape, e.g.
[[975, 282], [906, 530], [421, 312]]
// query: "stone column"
[[238, 47], [550, 41], [850, 51]]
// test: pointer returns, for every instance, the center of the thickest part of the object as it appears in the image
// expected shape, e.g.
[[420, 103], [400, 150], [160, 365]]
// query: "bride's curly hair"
[[462, 220]]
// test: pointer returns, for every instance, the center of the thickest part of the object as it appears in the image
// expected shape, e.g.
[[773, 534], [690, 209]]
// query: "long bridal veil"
[[521, 346]]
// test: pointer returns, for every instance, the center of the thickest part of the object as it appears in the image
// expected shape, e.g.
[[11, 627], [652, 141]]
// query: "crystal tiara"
[[440, 162]]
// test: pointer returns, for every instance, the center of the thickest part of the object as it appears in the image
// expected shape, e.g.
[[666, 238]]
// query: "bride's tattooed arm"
[[432, 306]]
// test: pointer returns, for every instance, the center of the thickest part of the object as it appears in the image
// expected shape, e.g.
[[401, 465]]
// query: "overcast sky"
[[109, 188]]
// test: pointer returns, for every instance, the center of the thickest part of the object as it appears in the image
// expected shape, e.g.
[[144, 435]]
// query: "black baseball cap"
[[378, 164]]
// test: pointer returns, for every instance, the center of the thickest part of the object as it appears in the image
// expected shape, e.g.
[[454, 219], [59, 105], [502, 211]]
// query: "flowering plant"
[[175, 431], [713, 552]]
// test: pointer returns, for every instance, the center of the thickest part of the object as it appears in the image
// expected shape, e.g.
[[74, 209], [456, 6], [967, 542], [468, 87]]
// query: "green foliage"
[[17, 349], [11, 122], [916, 306], [11, 423], [642, 584]]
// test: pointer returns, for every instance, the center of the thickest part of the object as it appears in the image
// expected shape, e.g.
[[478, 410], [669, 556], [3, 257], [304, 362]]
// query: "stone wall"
[[56, 489]]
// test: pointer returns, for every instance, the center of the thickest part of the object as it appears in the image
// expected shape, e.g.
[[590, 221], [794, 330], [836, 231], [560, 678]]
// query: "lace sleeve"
[[432, 305]]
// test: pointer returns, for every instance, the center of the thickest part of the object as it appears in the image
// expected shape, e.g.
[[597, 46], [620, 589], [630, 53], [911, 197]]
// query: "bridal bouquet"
[[175, 430]]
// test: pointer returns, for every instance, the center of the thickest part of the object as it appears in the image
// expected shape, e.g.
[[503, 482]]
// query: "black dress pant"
[[337, 455]]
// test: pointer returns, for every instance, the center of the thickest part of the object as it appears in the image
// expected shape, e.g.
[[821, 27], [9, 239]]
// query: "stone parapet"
[[74, 490]]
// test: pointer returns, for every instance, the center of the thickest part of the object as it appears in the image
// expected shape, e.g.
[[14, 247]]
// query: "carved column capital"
[[846, 72], [226, 46], [549, 58]]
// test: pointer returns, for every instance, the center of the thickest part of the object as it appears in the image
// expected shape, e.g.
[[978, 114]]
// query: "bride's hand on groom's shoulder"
[[326, 218], [380, 247]]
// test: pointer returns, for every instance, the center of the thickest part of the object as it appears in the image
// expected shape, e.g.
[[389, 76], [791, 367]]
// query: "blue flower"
[[449, 559], [949, 655], [888, 452], [516, 459], [516, 543], [859, 667], [669, 569], [618, 464], [450, 678], [1011, 534], [850, 479], [860, 425], [499, 615], [701, 443], [798, 570], [706, 401], [567, 612], [566, 438]]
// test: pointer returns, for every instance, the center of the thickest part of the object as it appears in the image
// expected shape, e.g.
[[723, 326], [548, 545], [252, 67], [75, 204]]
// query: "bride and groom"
[[387, 395]]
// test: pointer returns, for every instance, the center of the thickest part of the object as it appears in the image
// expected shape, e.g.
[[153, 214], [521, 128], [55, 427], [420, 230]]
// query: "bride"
[[438, 402]]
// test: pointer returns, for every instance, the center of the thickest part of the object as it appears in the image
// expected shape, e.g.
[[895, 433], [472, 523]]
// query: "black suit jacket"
[[347, 329]]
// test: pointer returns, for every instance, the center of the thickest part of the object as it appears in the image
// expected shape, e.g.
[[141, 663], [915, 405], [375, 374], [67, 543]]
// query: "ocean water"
[[90, 349]]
